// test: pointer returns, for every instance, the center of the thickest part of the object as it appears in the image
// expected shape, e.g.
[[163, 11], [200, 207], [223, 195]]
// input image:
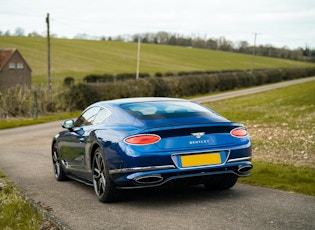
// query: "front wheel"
[[58, 170], [103, 186]]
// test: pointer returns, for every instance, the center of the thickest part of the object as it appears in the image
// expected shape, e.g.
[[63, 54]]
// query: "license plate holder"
[[203, 159]]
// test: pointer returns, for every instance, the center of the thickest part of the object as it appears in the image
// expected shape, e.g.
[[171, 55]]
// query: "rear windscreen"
[[166, 109]]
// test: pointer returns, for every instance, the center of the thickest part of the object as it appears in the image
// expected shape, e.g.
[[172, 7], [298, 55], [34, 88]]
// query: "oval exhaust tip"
[[245, 168], [150, 179]]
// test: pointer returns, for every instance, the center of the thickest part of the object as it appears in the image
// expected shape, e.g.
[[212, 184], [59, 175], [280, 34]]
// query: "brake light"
[[144, 139], [239, 132]]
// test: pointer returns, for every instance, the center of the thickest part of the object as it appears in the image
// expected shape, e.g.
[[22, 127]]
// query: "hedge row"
[[95, 78], [104, 78], [21, 101], [81, 95]]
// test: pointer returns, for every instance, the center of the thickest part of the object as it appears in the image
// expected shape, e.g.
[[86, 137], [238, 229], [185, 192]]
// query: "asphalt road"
[[25, 158]]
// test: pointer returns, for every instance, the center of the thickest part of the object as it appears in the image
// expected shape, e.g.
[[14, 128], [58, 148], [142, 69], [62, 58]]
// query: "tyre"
[[58, 170], [103, 185], [220, 182]]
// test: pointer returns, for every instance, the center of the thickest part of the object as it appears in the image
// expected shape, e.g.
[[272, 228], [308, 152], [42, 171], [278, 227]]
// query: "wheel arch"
[[92, 154], [53, 145]]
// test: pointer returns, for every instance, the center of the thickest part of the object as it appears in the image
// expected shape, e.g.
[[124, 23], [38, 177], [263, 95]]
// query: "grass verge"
[[286, 177], [15, 212], [13, 123]]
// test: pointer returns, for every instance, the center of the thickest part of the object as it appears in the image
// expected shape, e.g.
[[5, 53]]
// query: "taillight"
[[239, 132], [143, 139]]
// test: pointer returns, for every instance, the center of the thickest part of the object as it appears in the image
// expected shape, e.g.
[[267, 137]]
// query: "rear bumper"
[[154, 176]]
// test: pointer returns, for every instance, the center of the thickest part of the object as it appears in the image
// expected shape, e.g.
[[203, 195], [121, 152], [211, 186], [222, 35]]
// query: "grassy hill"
[[78, 58]]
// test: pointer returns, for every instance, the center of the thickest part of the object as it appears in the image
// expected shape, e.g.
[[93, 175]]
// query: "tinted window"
[[87, 117], [166, 109], [102, 114]]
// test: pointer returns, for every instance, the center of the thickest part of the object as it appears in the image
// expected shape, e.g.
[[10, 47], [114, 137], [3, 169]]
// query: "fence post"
[[35, 106]]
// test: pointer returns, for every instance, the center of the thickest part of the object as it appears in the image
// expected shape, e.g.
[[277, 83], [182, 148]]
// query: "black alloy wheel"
[[103, 186], [58, 170]]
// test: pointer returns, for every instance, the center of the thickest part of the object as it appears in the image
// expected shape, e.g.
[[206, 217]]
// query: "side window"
[[87, 117], [102, 114]]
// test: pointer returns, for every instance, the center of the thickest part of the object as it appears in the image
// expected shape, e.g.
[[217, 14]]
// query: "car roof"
[[117, 102]]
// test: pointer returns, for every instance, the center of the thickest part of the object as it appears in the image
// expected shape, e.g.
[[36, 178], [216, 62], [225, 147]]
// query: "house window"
[[11, 65], [20, 66]]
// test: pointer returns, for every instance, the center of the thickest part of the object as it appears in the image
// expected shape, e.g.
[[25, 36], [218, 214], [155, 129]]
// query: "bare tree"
[[162, 37], [7, 33], [19, 31], [34, 34]]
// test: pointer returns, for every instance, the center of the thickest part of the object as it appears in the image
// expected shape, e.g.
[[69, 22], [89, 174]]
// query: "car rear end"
[[189, 145]]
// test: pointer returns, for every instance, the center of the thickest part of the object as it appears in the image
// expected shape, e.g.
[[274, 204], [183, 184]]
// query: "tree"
[[212, 44], [82, 36], [19, 31], [243, 47], [199, 43], [34, 34], [173, 40], [162, 37], [224, 44]]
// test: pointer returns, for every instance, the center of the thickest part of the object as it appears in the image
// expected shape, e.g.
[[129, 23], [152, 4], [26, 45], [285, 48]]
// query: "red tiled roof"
[[5, 55]]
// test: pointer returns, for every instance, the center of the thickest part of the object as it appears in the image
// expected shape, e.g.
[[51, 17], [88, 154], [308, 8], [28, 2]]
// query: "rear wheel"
[[220, 182], [58, 170], [103, 186]]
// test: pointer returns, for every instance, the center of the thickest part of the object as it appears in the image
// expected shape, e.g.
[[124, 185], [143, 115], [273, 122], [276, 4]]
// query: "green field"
[[281, 124], [78, 58]]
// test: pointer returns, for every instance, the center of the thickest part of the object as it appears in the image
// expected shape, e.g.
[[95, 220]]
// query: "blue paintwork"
[[76, 145]]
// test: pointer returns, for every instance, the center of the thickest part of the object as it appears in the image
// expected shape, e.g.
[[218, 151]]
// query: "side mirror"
[[68, 124]]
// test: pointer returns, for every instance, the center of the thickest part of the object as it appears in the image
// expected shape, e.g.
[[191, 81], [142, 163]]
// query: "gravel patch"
[[282, 144]]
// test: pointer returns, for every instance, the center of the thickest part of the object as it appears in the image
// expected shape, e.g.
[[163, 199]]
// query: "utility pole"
[[253, 55], [48, 58], [138, 59]]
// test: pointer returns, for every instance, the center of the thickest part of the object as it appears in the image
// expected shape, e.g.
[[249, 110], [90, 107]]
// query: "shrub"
[[144, 75], [82, 95], [158, 74], [160, 87], [125, 89], [68, 81], [20, 101], [227, 81], [94, 78], [125, 76], [246, 79], [260, 77], [15, 102], [169, 74]]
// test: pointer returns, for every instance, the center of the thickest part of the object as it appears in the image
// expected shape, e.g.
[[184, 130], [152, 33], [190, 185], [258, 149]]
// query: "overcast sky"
[[277, 22]]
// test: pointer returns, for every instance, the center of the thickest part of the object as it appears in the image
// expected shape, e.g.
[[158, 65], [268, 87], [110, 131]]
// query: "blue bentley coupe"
[[146, 142]]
